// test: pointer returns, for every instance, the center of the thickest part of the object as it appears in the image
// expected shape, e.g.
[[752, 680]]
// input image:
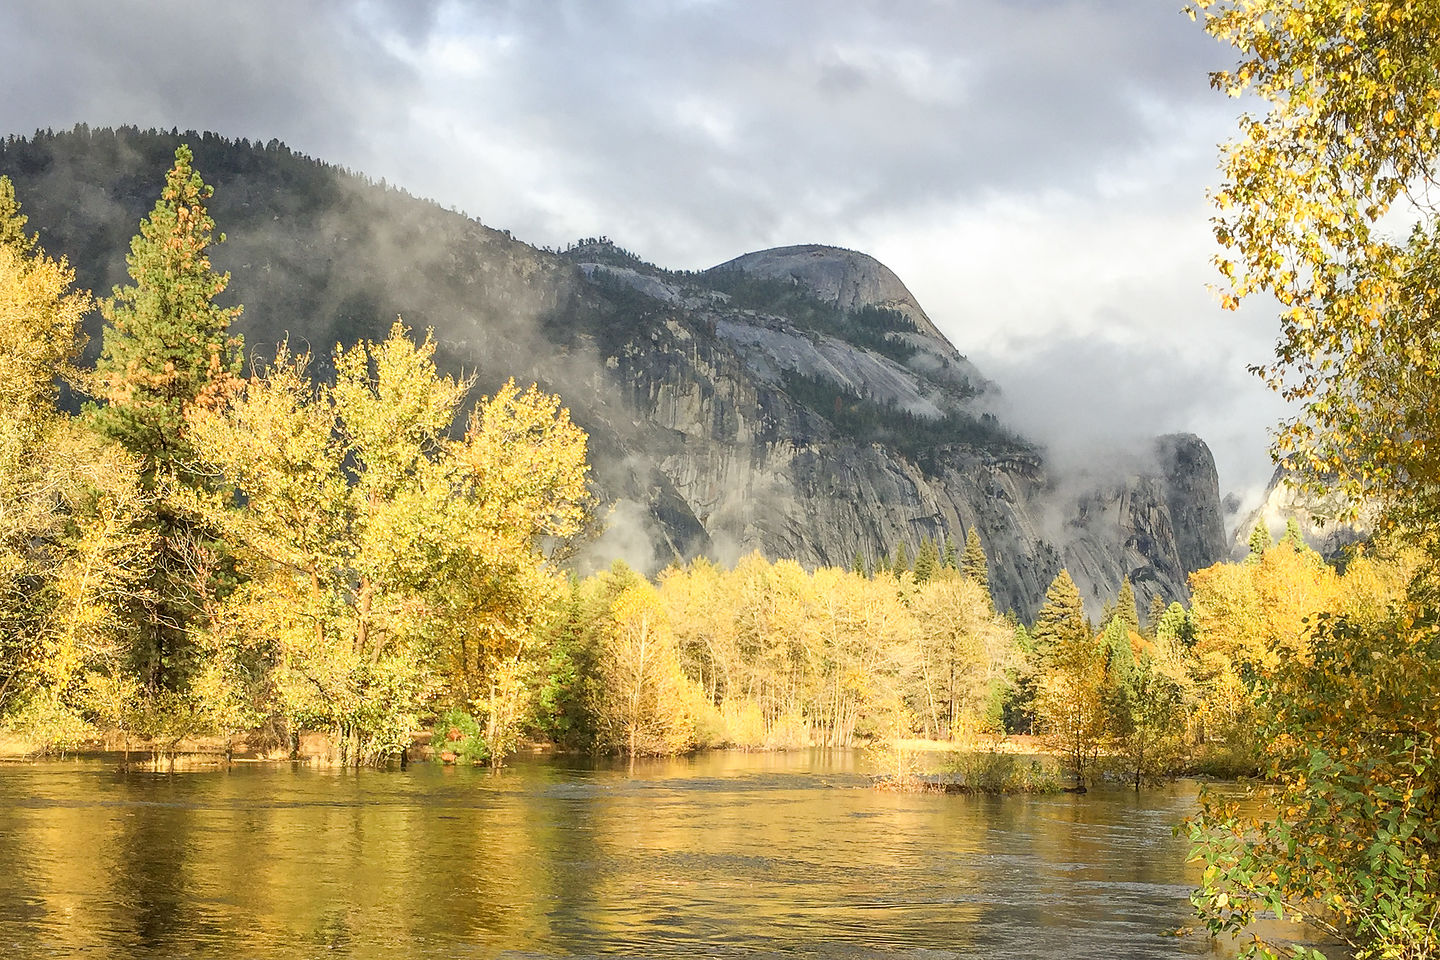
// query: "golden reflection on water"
[[719, 855]]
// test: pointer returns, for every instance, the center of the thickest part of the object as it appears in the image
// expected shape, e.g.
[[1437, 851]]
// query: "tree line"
[[202, 551]]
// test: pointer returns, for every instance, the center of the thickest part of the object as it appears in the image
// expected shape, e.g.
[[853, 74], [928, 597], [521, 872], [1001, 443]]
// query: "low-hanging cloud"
[[1094, 401]]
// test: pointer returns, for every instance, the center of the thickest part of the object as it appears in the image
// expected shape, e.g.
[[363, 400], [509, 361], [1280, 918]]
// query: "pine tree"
[[1260, 540], [857, 565], [1293, 537], [951, 559], [167, 348], [12, 222], [973, 564], [1125, 609], [902, 558], [1061, 620], [1119, 656], [1157, 610], [167, 344], [927, 560], [1175, 626]]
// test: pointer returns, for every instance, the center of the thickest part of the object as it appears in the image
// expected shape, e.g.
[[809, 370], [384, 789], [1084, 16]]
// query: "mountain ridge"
[[797, 400]]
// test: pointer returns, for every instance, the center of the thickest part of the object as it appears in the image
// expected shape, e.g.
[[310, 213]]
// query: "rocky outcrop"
[[716, 426], [846, 278], [1192, 496], [1321, 518]]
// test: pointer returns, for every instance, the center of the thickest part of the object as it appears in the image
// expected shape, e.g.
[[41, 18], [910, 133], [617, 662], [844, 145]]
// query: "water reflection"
[[722, 855]]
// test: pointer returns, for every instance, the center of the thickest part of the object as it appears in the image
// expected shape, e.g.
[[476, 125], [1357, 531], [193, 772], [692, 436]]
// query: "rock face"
[[846, 278], [1316, 514], [724, 416]]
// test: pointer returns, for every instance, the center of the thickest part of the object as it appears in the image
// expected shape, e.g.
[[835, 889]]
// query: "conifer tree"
[[1061, 620], [857, 565], [167, 344], [1157, 610], [951, 559], [167, 348], [1293, 537], [973, 564], [927, 560], [1260, 540], [902, 558], [1119, 656], [12, 222], [1125, 609]]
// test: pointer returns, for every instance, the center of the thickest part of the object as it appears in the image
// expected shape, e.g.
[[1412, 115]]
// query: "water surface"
[[721, 855]]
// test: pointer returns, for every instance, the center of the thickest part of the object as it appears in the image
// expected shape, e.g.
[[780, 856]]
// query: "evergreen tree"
[[1125, 610], [857, 566], [927, 560], [1061, 620], [1119, 656], [951, 559], [1157, 610], [1293, 537], [1176, 626], [902, 558], [1260, 540], [973, 564], [167, 347], [167, 344]]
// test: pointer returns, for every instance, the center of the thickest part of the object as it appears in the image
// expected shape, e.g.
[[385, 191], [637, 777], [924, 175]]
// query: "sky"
[[1036, 171]]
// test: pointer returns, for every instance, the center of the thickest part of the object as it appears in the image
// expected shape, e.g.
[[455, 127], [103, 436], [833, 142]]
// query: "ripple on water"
[[728, 855]]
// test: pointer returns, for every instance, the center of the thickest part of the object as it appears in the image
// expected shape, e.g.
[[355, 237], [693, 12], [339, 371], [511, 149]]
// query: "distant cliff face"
[[1316, 514], [796, 401], [846, 278]]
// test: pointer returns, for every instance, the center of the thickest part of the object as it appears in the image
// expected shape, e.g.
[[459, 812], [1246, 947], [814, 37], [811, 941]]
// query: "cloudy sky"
[[1034, 170]]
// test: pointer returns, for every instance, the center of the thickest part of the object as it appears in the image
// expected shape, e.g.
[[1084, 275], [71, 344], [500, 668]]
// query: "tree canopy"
[[1327, 208]]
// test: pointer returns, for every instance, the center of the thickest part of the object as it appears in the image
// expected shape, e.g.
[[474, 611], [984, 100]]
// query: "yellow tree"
[[373, 544], [72, 548], [1327, 208], [520, 495], [646, 702], [1070, 703], [965, 650], [698, 604], [1249, 618]]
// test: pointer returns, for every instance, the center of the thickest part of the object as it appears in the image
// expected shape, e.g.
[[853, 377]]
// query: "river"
[[719, 855]]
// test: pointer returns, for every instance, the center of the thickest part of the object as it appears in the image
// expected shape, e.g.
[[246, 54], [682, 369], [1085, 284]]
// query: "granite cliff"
[[797, 401], [1318, 515]]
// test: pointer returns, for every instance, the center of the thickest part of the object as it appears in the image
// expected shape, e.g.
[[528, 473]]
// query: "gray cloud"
[[1095, 400], [1033, 169]]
